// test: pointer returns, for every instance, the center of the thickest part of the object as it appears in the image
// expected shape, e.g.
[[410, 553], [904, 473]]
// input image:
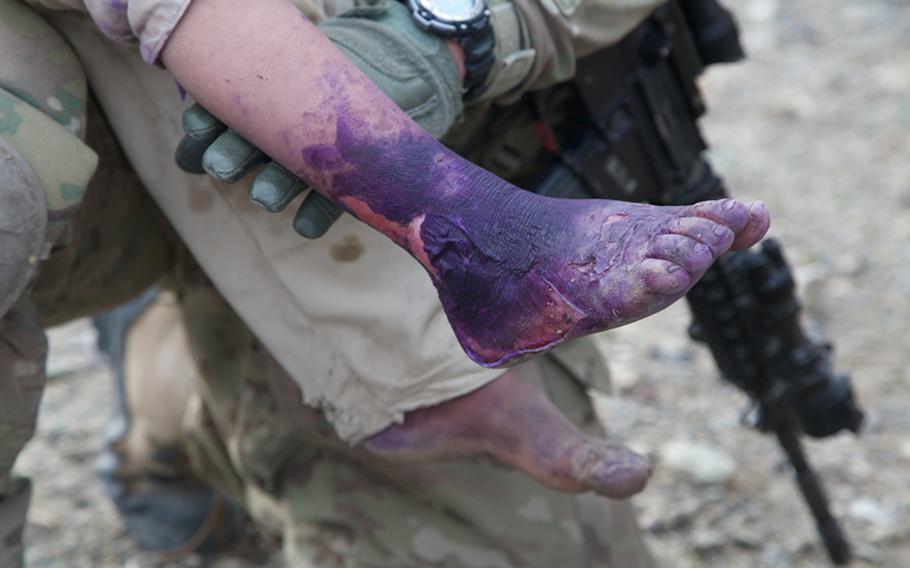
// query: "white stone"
[[700, 463], [871, 511], [904, 450]]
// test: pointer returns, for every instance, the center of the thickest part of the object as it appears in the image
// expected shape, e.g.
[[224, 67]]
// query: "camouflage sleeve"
[[148, 22]]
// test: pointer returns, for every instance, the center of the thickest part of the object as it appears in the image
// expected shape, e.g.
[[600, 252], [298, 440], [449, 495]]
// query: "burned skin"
[[516, 273]]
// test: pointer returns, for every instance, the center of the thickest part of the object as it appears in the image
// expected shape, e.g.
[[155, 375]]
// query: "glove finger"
[[230, 157], [315, 216], [201, 125], [275, 187], [189, 155]]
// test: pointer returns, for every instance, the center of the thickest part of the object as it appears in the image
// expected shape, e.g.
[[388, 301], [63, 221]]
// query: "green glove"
[[209, 147], [412, 67]]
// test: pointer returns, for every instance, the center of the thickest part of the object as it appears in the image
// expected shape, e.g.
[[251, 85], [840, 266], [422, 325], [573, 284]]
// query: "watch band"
[[479, 58], [475, 38]]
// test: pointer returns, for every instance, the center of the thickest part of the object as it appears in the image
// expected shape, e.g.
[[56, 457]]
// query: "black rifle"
[[637, 105]]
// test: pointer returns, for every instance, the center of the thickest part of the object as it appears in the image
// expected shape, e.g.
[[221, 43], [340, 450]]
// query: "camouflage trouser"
[[22, 352], [245, 431], [94, 256], [242, 426]]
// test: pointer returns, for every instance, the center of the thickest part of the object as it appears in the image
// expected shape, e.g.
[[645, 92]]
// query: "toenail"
[[701, 248], [673, 268], [720, 231]]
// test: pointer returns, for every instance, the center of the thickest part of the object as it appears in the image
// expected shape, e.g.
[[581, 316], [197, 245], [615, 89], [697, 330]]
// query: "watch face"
[[454, 10]]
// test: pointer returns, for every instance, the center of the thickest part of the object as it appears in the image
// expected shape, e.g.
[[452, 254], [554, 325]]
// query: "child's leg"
[[517, 273]]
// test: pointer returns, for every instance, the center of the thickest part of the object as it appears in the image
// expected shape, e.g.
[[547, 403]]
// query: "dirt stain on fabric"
[[201, 200], [348, 249]]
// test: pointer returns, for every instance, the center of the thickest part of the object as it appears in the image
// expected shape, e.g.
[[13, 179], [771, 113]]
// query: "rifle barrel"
[[784, 425]]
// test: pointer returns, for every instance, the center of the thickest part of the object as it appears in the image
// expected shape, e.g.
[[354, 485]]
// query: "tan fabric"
[[245, 432], [351, 317], [513, 51], [562, 30], [559, 30], [149, 22]]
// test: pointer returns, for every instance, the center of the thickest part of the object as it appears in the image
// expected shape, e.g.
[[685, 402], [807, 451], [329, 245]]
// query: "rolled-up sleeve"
[[563, 30], [146, 22]]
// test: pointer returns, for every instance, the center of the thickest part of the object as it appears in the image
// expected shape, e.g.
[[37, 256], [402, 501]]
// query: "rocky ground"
[[817, 124]]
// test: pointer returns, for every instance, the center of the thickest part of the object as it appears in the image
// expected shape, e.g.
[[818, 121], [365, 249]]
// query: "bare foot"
[[514, 423], [541, 271], [519, 273]]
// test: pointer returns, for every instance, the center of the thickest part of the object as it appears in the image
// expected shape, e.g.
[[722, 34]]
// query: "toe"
[[611, 470], [756, 227], [729, 212], [689, 253], [512, 421], [664, 277], [717, 236]]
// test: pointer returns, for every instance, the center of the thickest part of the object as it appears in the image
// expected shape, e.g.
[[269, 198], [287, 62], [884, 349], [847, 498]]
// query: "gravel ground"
[[816, 124]]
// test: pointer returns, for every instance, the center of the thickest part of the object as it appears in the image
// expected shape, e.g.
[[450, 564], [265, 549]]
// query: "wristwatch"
[[468, 23]]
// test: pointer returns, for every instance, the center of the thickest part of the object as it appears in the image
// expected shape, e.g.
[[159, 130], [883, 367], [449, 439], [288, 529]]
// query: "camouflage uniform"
[[242, 425], [242, 429]]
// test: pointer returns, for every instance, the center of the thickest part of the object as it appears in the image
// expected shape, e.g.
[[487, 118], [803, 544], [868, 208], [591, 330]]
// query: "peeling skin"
[[516, 273]]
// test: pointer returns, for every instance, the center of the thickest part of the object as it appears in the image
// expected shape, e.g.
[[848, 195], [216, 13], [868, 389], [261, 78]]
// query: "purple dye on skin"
[[241, 106], [517, 273], [180, 91]]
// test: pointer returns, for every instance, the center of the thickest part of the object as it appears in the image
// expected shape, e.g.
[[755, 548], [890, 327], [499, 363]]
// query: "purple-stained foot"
[[511, 421], [544, 271], [519, 273]]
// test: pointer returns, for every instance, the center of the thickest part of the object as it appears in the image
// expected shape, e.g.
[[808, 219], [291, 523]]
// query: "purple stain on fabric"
[[111, 18], [148, 52]]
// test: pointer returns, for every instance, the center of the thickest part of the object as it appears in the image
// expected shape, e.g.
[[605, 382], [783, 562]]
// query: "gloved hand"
[[412, 67], [209, 147]]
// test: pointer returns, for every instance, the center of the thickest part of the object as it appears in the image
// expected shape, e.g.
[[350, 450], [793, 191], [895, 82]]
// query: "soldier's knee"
[[40, 68], [23, 223], [44, 164], [44, 169]]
